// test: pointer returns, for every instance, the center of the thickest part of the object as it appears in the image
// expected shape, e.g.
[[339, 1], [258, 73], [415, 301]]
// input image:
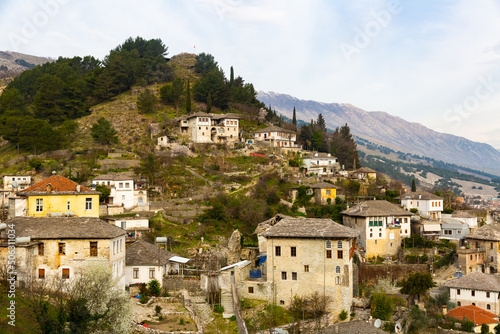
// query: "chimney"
[[347, 208], [445, 310], [49, 188], [420, 196], [78, 188]]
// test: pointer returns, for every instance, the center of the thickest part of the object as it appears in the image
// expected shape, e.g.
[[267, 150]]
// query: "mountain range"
[[388, 130], [14, 63]]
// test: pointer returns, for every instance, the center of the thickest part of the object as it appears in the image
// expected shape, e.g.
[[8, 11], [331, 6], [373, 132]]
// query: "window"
[[65, 273], [339, 244], [328, 244], [473, 293], [491, 245], [380, 235], [488, 307], [487, 294], [380, 223], [39, 205], [41, 273], [293, 251], [127, 185], [448, 232], [337, 269], [458, 291], [278, 250], [370, 224], [294, 276], [124, 225], [474, 304], [282, 302], [309, 191], [328, 192], [88, 203], [340, 254], [62, 248], [41, 249], [337, 280], [459, 304], [93, 248], [151, 273], [306, 268], [68, 205], [328, 253], [136, 273], [120, 185], [250, 289], [283, 275]]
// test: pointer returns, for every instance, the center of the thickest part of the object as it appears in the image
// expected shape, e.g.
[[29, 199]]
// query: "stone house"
[[145, 261], [480, 250], [277, 137], [136, 226], [430, 229], [60, 247], [305, 256], [21, 182], [453, 229], [201, 127], [478, 289], [322, 192], [427, 204], [364, 174], [124, 192], [321, 164], [55, 196], [381, 224]]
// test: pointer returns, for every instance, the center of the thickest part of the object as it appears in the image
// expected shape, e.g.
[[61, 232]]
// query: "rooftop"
[[486, 232], [323, 185], [376, 208], [365, 170], [65, 228], [476, 281], [56, 185], [113, 177], [419, 195], [309, 228], [274, 128], [473, 313], [142, 253]]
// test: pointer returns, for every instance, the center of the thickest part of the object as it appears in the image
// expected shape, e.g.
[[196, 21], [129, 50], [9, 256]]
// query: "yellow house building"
[[58, 196], [324, 191]]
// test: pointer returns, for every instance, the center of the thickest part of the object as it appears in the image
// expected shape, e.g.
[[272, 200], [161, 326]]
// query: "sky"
[[435, 62]]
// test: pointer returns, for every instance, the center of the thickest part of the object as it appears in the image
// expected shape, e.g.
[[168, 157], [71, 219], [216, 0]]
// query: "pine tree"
[[294, 119], [209, 103], [188, 98], [321, 123]]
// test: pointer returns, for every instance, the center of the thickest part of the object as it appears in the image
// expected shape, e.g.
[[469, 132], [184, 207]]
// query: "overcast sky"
[[435, 62]]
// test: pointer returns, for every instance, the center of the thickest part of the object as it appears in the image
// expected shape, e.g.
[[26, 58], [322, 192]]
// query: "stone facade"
[[201, 127], [480, 251]]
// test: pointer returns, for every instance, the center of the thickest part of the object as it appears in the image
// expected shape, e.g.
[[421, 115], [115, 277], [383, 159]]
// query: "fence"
[[237, 309]]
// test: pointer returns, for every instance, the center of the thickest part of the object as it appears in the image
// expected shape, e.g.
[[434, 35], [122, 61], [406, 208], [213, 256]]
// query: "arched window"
[[459, 304], [339, 244], [328, 244], [337, 280], [337, 269], [488, 307]]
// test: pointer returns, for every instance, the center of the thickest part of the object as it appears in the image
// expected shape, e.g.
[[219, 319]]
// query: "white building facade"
[[427, 204]]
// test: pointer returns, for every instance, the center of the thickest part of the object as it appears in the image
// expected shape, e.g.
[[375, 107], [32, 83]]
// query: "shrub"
[[144, 299], [389, 327], [218, 308], [154, 287], [343, 315], [181, 321], [158, 309]]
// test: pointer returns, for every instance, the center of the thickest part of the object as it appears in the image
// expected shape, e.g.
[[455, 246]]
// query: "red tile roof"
[[473, 313], [58, 184]]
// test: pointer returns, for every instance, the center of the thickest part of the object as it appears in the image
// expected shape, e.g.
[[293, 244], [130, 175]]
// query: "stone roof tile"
[[376, 209], [309, 228]]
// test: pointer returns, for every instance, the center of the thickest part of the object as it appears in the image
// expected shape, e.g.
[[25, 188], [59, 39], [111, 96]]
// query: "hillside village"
[[201, 217]]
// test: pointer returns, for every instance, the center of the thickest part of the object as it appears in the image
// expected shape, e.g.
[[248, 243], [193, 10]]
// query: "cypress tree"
[[231, 77], [188, 98], [294, 118], [413, 186]]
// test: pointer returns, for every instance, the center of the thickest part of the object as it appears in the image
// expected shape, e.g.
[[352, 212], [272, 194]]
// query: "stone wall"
[[370, 273]]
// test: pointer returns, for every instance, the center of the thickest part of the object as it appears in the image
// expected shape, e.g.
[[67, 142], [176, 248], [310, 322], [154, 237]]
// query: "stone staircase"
[[227, 303]]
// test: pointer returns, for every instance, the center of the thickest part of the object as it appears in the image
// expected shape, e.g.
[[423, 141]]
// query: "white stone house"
[[61, 247], [145, 262], [277, 137], [305, 256], [382, 226], [21, 181], [201, 127], [135, 226], [427, 204], [477, 288], [322, 164], [123, 192]]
